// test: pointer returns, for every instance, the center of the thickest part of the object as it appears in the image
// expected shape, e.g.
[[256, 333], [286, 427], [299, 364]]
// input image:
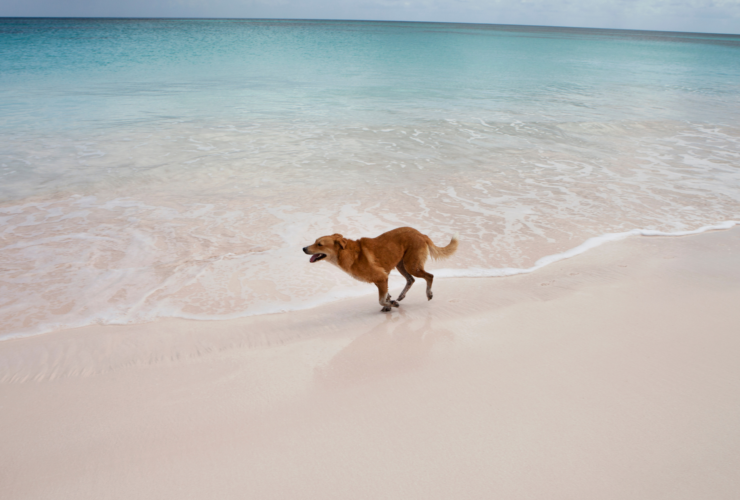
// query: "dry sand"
[[612, 375]]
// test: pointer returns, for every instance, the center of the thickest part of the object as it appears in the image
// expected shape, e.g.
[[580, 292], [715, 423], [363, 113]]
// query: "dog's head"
[[326, 247]]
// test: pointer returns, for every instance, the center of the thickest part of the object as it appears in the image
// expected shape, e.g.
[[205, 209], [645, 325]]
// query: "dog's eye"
[[318, 244]]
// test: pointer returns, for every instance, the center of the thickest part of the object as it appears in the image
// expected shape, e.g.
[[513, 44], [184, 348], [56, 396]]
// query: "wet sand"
[[610, 375]]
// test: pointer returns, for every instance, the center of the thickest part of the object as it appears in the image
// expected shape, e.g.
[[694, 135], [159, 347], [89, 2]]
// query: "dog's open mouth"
[[317, 257]]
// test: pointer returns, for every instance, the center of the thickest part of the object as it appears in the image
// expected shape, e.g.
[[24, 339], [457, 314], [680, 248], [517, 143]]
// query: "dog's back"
[[405, 244]]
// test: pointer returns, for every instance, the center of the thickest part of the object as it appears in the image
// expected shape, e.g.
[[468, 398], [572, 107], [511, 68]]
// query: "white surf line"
[[355, 293], [584, 247]]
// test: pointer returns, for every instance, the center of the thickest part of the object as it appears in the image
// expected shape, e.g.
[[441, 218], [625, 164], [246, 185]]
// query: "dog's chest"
[[358, 275]]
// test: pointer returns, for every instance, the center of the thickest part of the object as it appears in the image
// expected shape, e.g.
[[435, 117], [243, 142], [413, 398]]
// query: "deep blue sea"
[[174, 168]]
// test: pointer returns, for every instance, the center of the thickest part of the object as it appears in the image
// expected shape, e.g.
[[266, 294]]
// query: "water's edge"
[[589, 244]]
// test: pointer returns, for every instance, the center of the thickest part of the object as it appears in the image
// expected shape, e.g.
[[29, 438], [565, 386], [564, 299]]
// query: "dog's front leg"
[[384, 298]]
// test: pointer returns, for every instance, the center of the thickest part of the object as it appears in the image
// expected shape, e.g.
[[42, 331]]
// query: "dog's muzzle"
[[315, 257]]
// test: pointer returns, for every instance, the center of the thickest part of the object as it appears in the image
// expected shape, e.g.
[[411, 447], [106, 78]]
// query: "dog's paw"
[[395, 303], [429, 295], [400, 298], [386, 309]]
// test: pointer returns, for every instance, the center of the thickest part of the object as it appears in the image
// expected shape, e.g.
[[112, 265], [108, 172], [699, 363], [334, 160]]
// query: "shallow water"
[[154, 168]]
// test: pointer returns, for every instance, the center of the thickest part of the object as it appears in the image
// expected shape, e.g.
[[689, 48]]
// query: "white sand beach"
[[610, 375]]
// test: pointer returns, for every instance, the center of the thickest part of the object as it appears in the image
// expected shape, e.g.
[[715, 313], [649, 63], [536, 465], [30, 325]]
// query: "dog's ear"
[[341, 240]]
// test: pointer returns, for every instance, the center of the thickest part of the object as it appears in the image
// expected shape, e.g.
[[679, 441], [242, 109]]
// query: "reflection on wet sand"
[[398, 344]]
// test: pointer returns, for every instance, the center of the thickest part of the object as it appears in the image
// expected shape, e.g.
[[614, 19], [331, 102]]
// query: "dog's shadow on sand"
[[398, 344]]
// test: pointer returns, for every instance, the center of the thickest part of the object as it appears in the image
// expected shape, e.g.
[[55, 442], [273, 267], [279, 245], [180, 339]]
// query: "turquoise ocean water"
[[156, 168]]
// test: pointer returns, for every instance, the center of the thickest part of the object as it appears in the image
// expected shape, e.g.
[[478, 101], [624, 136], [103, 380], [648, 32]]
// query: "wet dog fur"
[[372, 259]]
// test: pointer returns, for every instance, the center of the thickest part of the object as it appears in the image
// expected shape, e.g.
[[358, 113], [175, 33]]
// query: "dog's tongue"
[[314, 257]]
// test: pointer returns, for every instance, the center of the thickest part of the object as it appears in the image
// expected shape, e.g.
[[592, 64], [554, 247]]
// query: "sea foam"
[[589, 244]]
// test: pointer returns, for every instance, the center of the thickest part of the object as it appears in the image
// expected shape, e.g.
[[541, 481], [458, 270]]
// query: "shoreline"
[[396, 280], [609, 375]]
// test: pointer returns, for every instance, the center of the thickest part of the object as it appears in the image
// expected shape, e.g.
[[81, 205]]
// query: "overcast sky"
[[713, 16]]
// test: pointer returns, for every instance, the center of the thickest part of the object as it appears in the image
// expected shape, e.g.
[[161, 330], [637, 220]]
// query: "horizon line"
[[364, 21]]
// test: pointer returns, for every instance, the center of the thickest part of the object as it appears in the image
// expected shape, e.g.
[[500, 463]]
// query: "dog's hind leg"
[[429, 277], [414, 264], [384, 298], [409, 280]]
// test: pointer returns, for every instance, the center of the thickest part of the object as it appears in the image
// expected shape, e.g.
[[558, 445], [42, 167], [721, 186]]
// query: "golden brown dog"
[[371, 259]]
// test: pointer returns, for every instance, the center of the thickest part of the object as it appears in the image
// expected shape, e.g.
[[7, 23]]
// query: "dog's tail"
[[442, 252]]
